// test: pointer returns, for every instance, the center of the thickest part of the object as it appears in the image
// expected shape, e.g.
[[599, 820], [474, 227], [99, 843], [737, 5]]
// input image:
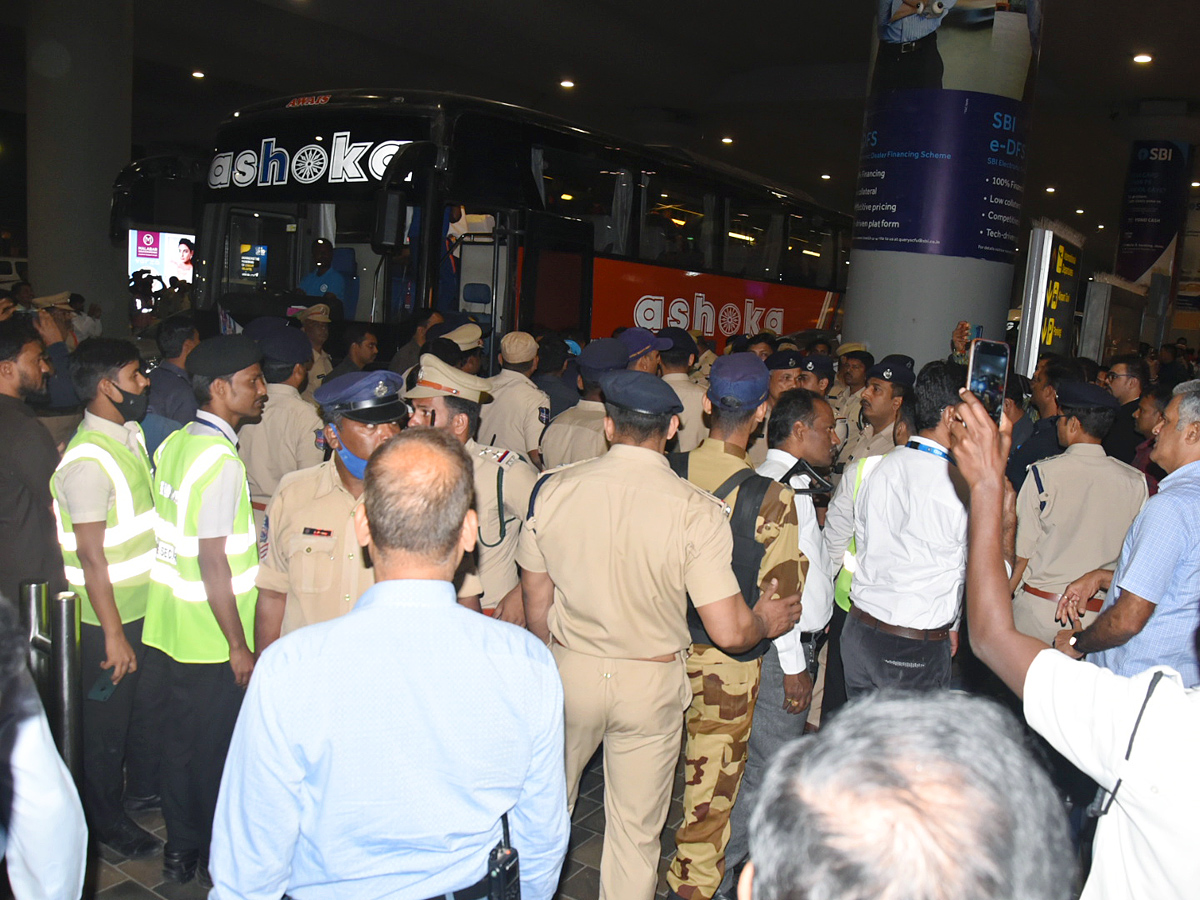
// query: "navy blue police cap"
[[784, 359], [604, 355], [258, 328], [640, 341], [819, 364], [680, 340], [640, 392], [286, 345], [223, 355], [738, 381], [1083, 395], [372, 397], [896, 368]]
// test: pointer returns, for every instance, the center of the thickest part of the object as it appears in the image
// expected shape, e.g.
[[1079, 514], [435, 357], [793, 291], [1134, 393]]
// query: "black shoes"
[[180, 865], [141, 804], [130, 840]]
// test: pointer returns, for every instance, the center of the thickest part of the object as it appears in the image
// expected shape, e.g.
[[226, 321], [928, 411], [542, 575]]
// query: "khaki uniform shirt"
[[703, 366], [321, 367], [691, 421], [626, 541], [518, 414], [309, 550], [1090, 500], [284, 441], [575, 434], [868, 443], [778, 529], [499, 523], [847, 410]]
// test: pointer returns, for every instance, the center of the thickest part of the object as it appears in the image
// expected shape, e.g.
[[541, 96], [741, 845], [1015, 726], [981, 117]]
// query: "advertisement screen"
[[166, 254]]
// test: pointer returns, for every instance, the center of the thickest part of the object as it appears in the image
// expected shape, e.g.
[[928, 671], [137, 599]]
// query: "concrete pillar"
[[941, 175], [79, 98]]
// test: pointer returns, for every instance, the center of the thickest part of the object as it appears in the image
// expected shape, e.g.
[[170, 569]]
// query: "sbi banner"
[[942, 172], [1154, 209]]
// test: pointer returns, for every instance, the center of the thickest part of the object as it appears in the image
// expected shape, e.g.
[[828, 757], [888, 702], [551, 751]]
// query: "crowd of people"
[[358, 629]]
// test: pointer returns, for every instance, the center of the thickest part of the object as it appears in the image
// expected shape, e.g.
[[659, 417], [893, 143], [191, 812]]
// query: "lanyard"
[[936, 451]]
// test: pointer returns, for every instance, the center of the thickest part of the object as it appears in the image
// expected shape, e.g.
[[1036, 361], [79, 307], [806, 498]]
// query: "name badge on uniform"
[[318, 532], [166, 552]]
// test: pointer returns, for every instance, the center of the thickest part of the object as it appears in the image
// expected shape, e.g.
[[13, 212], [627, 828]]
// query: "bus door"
[[482, 246], [556, 273]]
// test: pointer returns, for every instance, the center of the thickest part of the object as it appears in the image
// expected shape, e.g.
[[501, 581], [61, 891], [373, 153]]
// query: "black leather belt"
[[899, 49]]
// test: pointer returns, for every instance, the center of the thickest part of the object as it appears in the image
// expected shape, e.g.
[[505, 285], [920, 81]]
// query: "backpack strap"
[[732, 483]]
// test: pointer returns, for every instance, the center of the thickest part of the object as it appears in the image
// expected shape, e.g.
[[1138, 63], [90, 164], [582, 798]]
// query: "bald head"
[[417, 491]]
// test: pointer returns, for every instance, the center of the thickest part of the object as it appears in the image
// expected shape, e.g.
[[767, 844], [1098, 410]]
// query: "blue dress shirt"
[[1160, 562], [375, 754], [910, 28]]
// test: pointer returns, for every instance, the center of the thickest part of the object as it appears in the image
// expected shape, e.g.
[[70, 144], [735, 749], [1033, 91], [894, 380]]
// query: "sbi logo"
[[345, 161], [1156, 154]]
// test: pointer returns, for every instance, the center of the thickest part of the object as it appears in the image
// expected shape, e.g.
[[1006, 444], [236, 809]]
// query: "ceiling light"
[[197, 74], [741, 237], [1101, 227], [826, 177], [1049, 190], [1196, 184], [1143, 58], [567, 83], [726, 140], [1079, 212], [664, 196], [568, 197]]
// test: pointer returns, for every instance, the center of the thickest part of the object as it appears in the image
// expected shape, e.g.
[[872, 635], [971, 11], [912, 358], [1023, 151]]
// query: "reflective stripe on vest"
[[129, 544], [179, 620], [841, 587]]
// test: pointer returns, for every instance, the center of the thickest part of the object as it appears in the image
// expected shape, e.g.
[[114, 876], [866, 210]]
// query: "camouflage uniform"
[[724, 690]]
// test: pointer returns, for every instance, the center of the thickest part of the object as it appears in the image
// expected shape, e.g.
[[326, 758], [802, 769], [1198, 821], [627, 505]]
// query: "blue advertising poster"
[[943, 173], [1154, 209]]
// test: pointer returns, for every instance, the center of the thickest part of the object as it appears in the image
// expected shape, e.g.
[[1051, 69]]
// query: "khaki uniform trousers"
[[635, 709], [724, 691]]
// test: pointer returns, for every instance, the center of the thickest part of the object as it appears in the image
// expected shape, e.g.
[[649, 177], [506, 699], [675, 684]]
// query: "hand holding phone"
[[987, 374]]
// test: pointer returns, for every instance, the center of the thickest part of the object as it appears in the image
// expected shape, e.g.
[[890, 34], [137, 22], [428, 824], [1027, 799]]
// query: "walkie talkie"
[[504, 870]]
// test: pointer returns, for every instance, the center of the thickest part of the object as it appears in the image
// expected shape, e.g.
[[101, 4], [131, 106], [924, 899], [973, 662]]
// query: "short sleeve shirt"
[[499, 471], [575, 435], [691, 421], [517, 416], [626, 542], [83, 486], [284, 441]]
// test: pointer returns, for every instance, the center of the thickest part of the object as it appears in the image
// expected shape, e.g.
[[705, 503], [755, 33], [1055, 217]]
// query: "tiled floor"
[[113, 877]]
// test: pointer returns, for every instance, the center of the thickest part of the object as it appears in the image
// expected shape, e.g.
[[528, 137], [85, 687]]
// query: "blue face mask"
[[355, 465]]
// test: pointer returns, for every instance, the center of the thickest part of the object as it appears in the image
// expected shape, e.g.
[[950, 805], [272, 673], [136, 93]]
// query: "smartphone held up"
[[987, 374]]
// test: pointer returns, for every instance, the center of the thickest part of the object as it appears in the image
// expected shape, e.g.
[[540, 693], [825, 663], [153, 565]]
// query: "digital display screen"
[[166, 254], [253, 261]]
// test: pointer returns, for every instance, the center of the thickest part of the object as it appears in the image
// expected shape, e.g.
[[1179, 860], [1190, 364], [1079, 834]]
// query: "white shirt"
[[1145, 845], [910, 528], [817, 596]]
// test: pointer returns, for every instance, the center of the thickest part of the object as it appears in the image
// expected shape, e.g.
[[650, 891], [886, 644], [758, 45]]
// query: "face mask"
[[355, 465], [133, 406]]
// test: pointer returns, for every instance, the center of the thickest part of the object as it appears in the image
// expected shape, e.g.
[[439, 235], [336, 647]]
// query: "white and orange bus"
[[564, 228]]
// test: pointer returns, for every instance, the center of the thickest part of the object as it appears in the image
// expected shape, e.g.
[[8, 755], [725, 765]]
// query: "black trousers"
[[203, 701], [921, 67], [835, 676], [120, 742], [874, 660]]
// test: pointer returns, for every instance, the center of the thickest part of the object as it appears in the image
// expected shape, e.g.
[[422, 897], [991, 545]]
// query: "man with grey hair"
[[356, 768], [919, 797], [1150, 615]]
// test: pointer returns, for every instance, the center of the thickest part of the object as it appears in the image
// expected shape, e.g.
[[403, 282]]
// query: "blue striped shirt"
[[1160, 562]]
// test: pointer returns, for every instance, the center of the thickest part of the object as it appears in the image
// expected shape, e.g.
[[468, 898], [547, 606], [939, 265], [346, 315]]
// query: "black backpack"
[[747, 551]]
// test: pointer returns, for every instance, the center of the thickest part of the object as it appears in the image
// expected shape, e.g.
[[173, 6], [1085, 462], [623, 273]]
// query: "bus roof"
[[432, 103]]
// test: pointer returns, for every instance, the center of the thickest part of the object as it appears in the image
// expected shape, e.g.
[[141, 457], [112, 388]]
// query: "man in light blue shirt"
[[324, 280], [1153, 606], [908, 54], [376, 753]]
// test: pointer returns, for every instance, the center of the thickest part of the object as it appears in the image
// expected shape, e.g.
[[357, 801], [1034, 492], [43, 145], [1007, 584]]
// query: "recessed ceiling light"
[[1143, 58], [1196, 184], [1079, 212], [1049, 190], [568, 196], [567, 83], [664, 196], [1101, 227], [726, 140], [197, 74], [826, 177]]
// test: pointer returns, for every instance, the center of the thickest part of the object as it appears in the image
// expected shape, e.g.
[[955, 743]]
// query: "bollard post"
[[33, 612], [68, 690]]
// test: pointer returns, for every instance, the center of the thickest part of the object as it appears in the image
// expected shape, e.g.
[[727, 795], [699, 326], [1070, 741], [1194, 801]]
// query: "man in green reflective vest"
[[104, 505], [200, 612]]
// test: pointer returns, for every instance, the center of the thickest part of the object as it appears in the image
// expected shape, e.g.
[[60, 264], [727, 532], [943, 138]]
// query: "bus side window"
[[590, 189], [753, 242], [676, 225]]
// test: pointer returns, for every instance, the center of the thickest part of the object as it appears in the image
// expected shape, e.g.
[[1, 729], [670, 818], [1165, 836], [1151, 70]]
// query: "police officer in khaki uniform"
[[784, 367], [853, 366], [577, 434], [519, 411], [1073, 511], [611, 552], [887, 383], [288, 436], [817, 374], [315, 322], [312, 568], [448, 398], [676, 362]]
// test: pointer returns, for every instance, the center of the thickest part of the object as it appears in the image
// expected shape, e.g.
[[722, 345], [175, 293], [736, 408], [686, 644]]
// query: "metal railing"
[[52, 627]]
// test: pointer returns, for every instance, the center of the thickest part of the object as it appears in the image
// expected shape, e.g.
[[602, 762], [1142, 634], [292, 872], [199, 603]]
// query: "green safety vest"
[[841, 587], [179, 621], [129, 543]]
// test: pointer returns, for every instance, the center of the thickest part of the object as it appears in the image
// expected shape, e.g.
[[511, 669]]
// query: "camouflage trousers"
[[718, 731]]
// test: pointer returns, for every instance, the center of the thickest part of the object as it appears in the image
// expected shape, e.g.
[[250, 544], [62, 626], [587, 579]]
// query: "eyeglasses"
[[1112, 375]]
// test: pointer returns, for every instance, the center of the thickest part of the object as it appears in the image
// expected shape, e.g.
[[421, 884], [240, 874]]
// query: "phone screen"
[[987, 374]]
